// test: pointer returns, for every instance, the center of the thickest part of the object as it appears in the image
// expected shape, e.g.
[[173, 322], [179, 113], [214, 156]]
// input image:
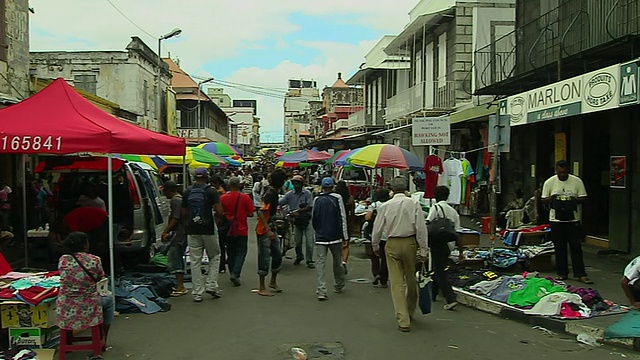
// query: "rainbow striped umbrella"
[[155, 161], [197, 157], [384, 156], [341, 160], [299, 156], [219, 148]]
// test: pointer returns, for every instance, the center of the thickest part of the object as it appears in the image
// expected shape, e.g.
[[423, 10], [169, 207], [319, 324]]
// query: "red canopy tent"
[[57, 120]]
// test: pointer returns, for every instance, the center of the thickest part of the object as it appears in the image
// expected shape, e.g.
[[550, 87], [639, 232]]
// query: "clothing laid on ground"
[[329, 219], [534, 290], [507, 285], [551, 304], [432, 170], [452, 179], [132, 298], [78, 304]]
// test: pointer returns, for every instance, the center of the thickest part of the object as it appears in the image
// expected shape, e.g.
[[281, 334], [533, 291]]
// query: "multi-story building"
[[569, 72], [127, 78], [339, 101], [438, 43], [219, 97], [199, 118], [14, 85], [376, 76], [298, 117]]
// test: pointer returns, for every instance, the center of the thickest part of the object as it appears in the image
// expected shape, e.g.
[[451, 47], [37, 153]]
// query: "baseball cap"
[[327, 182], [201, 172], [298, 178], [169, 184]]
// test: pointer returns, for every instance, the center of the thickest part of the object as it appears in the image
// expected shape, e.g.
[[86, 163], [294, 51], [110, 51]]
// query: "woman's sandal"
[[177, 293]]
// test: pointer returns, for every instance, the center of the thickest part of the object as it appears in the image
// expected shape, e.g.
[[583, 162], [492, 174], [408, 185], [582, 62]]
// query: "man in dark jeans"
[[564, 192], [300, 203], [439, 245], [237, 207]]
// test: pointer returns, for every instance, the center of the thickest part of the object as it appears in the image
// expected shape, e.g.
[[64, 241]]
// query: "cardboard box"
[[45, 354], [16, 314], [33, 338]]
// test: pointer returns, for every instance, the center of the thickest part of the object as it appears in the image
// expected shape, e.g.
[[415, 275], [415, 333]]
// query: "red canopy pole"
[[23, 169], [112, 267]]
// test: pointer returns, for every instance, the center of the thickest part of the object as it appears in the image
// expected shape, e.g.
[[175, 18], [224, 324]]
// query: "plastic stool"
[[97, 342]]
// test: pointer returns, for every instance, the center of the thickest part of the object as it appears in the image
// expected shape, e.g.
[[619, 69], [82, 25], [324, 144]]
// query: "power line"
[[131, 21]]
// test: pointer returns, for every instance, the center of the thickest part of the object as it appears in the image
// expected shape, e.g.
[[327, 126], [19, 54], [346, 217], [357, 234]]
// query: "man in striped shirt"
[[247, 182], [329, 221]]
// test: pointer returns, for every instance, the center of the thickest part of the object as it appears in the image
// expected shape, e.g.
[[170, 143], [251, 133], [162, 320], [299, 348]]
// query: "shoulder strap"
[[93, 278]]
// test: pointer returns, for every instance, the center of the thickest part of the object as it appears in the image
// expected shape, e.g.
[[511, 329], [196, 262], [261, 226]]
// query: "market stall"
[[57, 120]]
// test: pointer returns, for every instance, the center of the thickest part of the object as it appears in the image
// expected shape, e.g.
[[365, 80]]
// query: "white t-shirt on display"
[[573, 187], [632, 271], [451, 174]]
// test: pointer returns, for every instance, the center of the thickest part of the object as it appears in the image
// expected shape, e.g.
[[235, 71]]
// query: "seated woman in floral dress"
[[79, 306]]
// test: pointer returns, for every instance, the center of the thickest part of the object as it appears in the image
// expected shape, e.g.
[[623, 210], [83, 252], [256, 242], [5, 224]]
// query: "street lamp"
[[175, 32], [199, 115]]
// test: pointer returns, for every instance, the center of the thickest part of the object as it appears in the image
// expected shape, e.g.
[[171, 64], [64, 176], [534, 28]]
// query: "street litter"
[[298, 353], [544, 330], [452, 346], [587, 339]]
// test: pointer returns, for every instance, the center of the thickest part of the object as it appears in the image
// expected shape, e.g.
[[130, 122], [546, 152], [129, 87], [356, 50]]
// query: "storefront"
[[591, 121]]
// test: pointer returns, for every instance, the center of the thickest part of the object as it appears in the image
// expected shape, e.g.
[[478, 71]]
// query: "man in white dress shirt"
[[402, 220]]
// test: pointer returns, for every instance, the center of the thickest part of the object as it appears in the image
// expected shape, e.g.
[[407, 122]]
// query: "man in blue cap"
[[329, 221], [198, 201]]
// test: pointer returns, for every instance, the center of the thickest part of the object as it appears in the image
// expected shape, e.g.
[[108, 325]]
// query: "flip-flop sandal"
[[275, 289], [177, 293], [585, 280], [266, 295]]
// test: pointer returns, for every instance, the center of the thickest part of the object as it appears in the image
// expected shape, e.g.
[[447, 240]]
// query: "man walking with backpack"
[[198, 202], [444, 221], [329, 220]]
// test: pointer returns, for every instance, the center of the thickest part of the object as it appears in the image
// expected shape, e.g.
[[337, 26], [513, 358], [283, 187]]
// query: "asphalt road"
[[243, 325]]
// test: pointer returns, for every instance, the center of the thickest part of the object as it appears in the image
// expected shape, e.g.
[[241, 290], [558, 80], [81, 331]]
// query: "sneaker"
[[216, 294], [311, 265], [322, 297], [197, 298], [384, 285], [451, 306]]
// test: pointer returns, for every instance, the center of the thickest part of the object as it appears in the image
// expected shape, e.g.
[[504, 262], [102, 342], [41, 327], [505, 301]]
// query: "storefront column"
[[620, 198]]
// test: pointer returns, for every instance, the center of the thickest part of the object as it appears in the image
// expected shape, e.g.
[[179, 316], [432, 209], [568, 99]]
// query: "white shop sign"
[[431, 131], [594, 91], [187, 133]]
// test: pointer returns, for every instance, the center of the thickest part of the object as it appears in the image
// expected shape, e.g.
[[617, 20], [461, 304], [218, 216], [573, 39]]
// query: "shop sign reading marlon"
[[431, 131], [590, 92]]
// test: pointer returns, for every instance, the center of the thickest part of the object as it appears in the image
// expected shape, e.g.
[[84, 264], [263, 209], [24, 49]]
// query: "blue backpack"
[[199, 217]]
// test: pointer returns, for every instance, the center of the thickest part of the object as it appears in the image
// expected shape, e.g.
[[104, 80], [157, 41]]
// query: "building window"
[[85, 82], [442, 60]]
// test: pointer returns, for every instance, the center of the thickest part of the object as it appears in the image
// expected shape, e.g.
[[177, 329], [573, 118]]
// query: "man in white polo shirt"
[[630, 283], [564, 192]]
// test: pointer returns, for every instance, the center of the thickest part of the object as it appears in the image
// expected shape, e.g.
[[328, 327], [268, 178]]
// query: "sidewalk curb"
[[557, 325]]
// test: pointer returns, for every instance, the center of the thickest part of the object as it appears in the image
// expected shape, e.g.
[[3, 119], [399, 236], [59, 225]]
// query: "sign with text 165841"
[[431, 131]]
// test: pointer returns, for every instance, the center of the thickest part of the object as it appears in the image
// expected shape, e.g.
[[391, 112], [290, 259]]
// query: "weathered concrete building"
[[127, 78], [14, 53]]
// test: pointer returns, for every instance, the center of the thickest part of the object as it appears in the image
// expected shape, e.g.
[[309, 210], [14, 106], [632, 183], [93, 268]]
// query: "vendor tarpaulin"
[[58, 120]]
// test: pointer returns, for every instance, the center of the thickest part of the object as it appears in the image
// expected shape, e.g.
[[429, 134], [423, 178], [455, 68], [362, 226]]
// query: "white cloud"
[[218, 30]]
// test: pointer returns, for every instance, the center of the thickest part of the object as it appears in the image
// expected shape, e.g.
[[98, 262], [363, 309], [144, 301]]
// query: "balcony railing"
[[434, 95], [567, 30], [357, 118]]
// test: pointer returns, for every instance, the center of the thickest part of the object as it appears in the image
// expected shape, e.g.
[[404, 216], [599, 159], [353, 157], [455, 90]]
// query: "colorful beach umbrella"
[[219, 148], [335, 156], [236, 149], [155, 162], [341, 160], [299, 156], [197, 157], [385, 156]]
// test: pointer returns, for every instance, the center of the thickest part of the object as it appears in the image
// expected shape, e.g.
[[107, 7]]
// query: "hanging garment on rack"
[[468, 177], [452, 173], [432, 169]]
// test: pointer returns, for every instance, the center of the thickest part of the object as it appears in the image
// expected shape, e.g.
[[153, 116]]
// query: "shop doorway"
[[595, 175]]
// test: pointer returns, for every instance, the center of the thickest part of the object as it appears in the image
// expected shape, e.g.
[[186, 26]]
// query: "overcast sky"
[[253, 42]]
